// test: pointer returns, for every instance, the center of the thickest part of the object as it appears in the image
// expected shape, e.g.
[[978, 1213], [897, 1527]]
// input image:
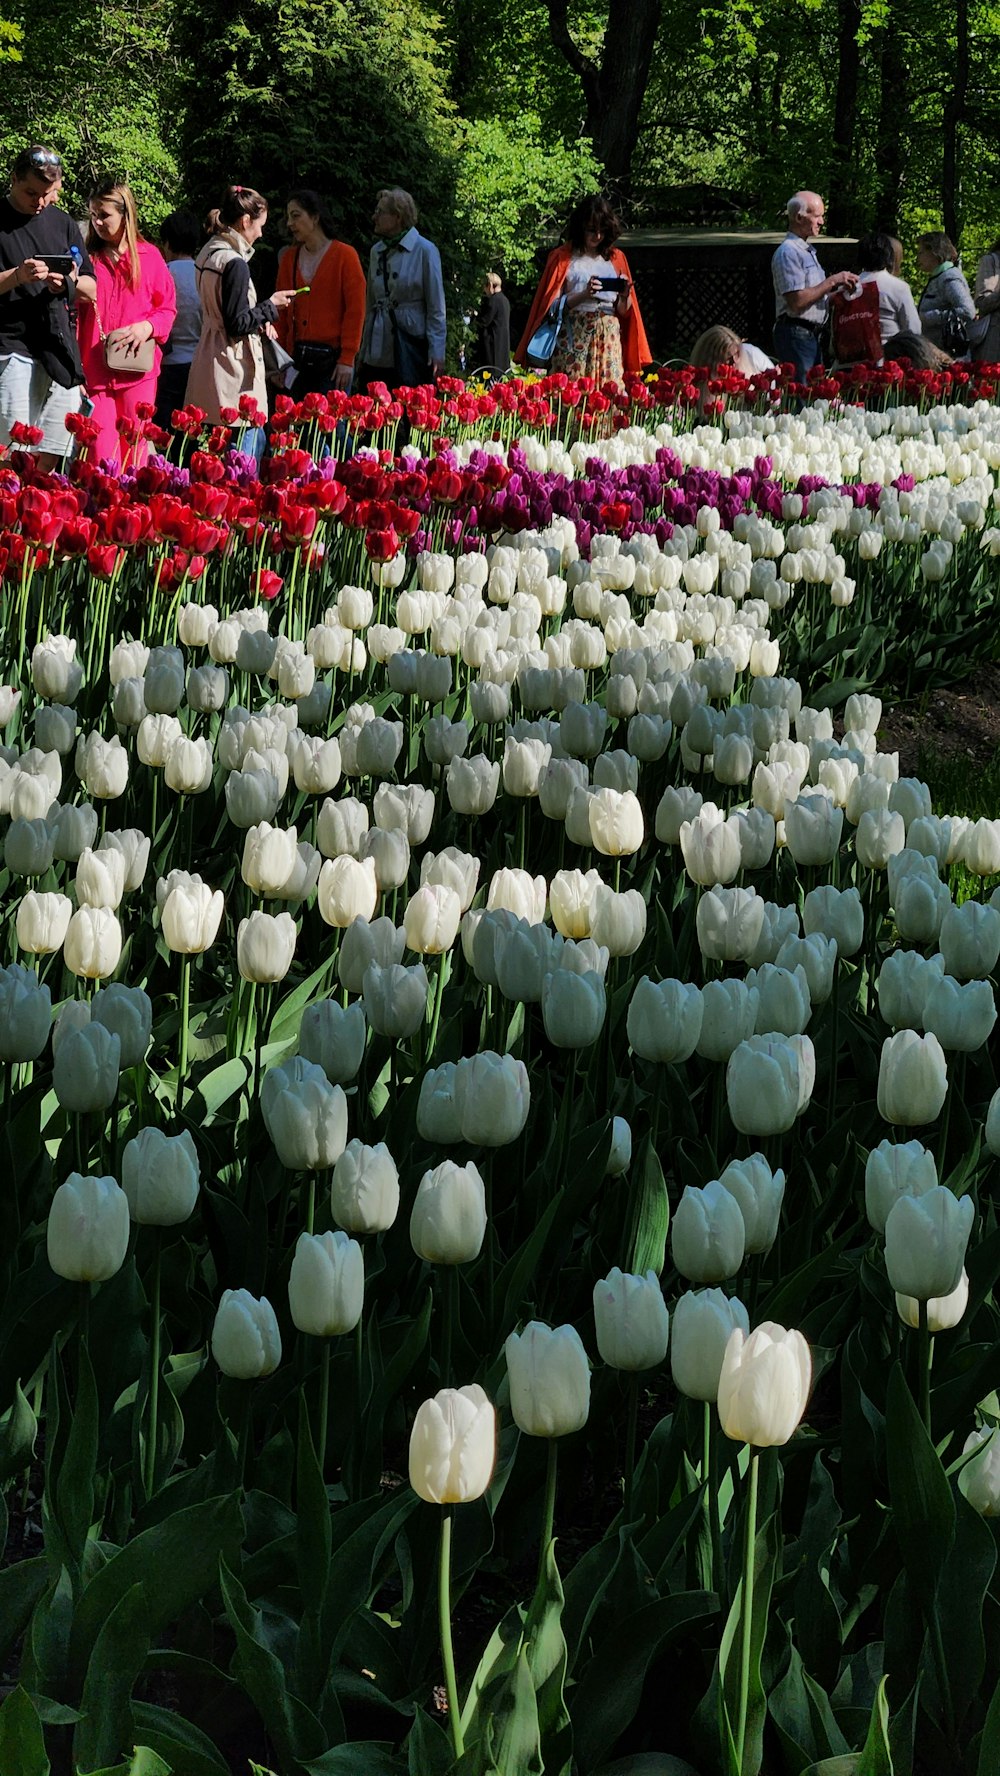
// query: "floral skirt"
[[589, 345]]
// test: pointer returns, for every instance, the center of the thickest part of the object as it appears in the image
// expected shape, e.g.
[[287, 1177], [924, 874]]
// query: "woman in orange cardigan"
[[602, 334], [321, 331]]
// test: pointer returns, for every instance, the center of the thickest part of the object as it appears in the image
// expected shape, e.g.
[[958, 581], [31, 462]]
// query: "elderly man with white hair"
[[801, 288]]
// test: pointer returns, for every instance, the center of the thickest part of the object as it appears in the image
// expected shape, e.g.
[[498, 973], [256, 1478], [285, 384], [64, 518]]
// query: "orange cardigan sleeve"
[[635, 345], [284, 324], [353, 288], [552, 280]]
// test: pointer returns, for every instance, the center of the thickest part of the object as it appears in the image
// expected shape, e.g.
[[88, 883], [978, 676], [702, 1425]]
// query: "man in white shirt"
[[801, 287]]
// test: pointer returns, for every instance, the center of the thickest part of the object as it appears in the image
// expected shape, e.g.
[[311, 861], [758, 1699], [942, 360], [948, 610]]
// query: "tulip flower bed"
[[500, 1246]]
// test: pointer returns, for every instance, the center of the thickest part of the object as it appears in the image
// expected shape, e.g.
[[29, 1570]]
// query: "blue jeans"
[[795, 343]]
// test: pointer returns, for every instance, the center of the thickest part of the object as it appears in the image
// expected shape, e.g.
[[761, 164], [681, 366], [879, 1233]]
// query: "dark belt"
[[816, 327]]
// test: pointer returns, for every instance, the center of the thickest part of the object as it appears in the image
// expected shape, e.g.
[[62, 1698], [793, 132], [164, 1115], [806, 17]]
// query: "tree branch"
[[563, 40]]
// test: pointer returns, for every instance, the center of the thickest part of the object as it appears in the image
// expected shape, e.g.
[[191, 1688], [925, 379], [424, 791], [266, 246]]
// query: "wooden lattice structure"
[[690, 279]]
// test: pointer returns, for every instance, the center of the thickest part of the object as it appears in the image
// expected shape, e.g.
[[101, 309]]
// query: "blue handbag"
[[542, 343]]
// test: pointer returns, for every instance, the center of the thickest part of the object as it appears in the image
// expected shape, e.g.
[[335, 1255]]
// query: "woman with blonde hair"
[[720, 347], [123, 330]]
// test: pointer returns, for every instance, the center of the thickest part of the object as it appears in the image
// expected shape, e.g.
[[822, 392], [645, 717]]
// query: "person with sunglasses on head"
[[43, 268], [123, 331]]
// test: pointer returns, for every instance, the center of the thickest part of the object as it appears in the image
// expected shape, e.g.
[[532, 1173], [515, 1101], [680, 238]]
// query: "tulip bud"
[[943, 1312], [85, 1069], [620, 1156], [664, 1020], [134, 847], [912, 1085], [190, 916], [492, 1095], [347, 890], [769, 1082], [431, 919], [25, 1014], [925, 1242], [448, 1219], [704, 1320], [366, 941], [395, 999], [326, 1284], [837, 914], [515, 891], [729, 1016], [333, 1037], [728, 923], [961, 1015], [453, 1446], [631, 1320], [160, 1177], [128, 1012], [894, 1169], [364, 1190], [710, 846], [764, 1385], [759, 1192], [708, 1235], [265, 945], [471, 784], [813, 828], [92, 946], [102, 766], [549, 1379], [305, 1116], [573, 1008], [100, 879], [246, 1342], [42, 922], [27, 847], [88, 1229], [979, 1479], [72, 830], [970, 940]]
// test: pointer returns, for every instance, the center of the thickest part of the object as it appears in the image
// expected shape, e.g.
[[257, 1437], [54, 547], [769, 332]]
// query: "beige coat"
[[223, 369]]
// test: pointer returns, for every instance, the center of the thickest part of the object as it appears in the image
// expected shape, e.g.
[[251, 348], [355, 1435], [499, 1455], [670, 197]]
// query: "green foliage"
[[515, 185]]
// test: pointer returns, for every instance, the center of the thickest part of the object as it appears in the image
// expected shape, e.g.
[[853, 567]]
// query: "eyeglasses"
[[44, 157]]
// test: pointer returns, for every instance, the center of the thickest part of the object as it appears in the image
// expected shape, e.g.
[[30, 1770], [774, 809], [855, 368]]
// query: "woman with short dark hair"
[[601, 334], [897, 311], [946, 306], [321, 331]]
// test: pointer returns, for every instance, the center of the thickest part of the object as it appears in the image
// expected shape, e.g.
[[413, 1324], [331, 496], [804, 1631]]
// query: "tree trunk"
[[613, 89], [843, 195], [894, 106], [952, 121]]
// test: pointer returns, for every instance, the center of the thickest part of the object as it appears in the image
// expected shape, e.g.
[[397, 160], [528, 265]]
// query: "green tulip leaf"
[[18, 1429], [767, 1566], [296, 1732], [989, 1744], [922, 1501], [184, 1746], [22, 1736], [608, 1688], [513, 1740], [646, 1244], [115, 1664]]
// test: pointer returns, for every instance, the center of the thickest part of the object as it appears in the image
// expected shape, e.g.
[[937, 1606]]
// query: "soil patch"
[[955, 726]]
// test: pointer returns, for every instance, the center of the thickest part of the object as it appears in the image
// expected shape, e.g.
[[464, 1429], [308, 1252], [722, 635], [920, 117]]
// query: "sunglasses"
[[44, 157]]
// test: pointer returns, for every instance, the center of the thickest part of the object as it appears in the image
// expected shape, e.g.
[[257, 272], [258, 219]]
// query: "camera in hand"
[[617, 284], [63, 264]]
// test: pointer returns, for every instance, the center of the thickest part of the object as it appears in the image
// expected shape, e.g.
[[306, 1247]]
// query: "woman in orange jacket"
[[321, 330], [601, 334]]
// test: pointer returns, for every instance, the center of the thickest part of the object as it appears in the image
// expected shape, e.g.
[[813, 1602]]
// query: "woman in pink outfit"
[[135, 294]]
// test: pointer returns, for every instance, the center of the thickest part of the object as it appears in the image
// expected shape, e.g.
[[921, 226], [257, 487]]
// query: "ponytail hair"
[[237, 201]]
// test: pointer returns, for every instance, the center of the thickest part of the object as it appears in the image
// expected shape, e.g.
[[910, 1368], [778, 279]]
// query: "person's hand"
[[437, 367], [343, 377], [56, 282], [282, 298], [594, 287], [845, 280], [134, 335], [271, 331], [32, 271]]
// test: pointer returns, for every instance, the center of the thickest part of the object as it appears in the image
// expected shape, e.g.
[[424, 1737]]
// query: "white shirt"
[[897, 311], [581, 269], [755, 359]]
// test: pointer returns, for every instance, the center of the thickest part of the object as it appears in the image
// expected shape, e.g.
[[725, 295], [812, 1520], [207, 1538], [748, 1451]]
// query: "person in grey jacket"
[[946, 306], [403, 343]]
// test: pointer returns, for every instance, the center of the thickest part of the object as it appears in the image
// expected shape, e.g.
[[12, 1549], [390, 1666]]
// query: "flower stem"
[[710, 1478], [324, 1401], [549, 1508], [630, 1442], [746, 1613], [447, 1649], [185, 1007], [149, 1477], [924, 1359]]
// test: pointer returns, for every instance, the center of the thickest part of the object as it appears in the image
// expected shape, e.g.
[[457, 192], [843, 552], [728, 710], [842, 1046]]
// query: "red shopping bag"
[[857, 337]]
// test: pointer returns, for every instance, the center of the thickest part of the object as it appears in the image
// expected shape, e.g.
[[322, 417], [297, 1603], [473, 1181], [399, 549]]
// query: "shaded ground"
[[949, 731]]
